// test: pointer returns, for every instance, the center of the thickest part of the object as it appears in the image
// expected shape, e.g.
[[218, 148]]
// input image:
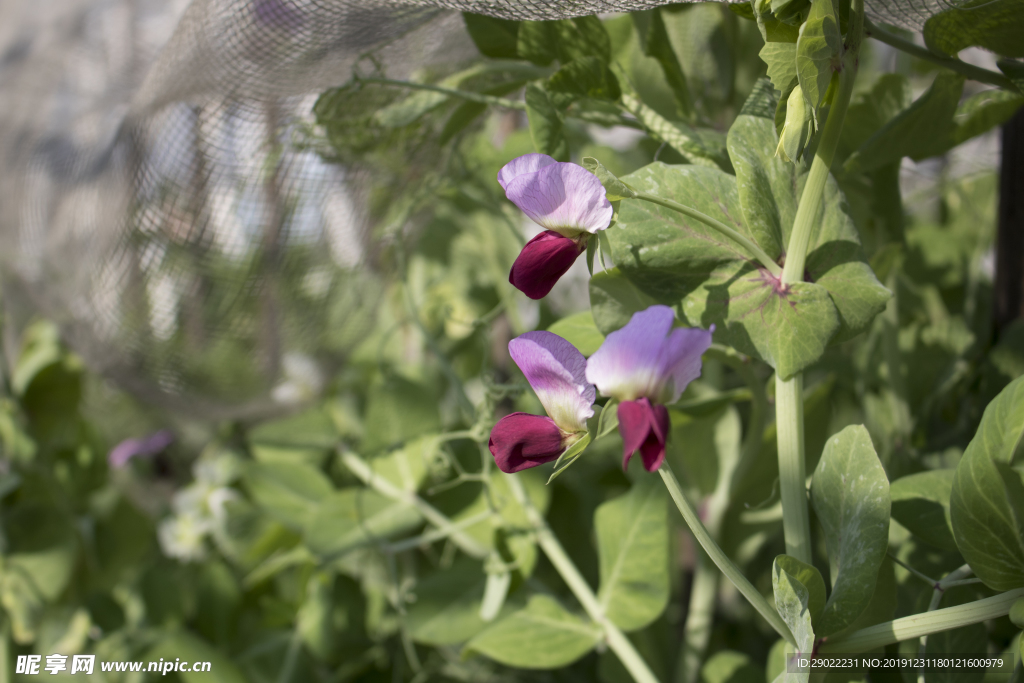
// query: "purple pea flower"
[[646, 365], [566, 199], [146, 446], [557, 373]]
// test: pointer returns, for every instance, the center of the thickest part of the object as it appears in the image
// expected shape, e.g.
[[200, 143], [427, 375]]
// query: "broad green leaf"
[[850, 493], [730, 666], [447, 606], [185, 646], [356, 517], [921, 130], [700, 146], [288, 492], [579, 330], [584, 77], [614, 188], [871, 109], [995, 25], [985, 512], [982, 112], [614, 299], [542, 635], [818, 51], [546, 123], [654, 42], [632, 542], [495, 38], [582, 37], [1014, 70], [883, 602], [920, 502], [792, 599], [406, 467], [537, 41], [810, 578], [399, 410], [510, 529], [308, 436], [781, 61]]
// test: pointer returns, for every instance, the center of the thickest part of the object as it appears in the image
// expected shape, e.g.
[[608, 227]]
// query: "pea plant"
[[773, 337]]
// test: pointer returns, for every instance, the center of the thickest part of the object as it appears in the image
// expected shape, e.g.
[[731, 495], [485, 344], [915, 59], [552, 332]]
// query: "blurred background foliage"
[[261, 547]]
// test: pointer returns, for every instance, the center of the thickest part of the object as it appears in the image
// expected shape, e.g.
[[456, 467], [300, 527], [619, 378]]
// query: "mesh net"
[[154, 201]]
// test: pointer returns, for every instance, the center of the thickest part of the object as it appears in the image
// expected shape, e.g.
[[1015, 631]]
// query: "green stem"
[[748, 245], [554, 551], [789, 420], [429, 512], [954, 578], [923, 624], [975, 73], [721, 560], [699, 619]]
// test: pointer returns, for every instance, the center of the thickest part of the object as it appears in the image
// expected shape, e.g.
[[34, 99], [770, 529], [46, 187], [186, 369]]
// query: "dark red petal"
[[520, 441], [643, 427], [542, 261]]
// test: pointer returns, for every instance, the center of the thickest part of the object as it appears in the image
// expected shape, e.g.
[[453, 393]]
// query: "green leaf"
[[185, 646], [357, 517], [399, 410], [781, 61], [818, 51], [654, 42], [584, 77], [920, 502], [614, 299], [288, 492], [810, 578], [308, 436], [542, 635], [965, 641], [982, 112], [582, 37], [447, 606], [921, 130], [791, 599], [614, 188], [609, 419], [680, 261], [537, 42], [407, 467], [883, 602], [984, 507], [730, 666], [1014, 70], [632, 542], [495, 38], [1017, 613], [850, 493], [995, 25], [572, 453], [546, 123], [579, 330]]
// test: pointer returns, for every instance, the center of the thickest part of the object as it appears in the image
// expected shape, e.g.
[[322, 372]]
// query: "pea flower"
[[566, 199], [646, 365], [557, 373], [144, 447]]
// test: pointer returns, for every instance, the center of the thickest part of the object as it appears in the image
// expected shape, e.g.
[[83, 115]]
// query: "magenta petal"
[[543, 261], [528, 163], [645, 428], [520, 441], [129, 448]]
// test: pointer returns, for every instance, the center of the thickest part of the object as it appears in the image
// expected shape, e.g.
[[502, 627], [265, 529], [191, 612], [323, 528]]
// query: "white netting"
[[153, 203]]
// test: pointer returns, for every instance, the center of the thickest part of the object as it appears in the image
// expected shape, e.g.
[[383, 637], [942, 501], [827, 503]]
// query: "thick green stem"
[[382, 486], [748, 245], [975, 73], [924, 624], [617, 641], [721, 560], [789, 420]]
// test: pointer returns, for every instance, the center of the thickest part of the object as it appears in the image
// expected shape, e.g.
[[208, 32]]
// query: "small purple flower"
[[557, 373], [646, 365], [146, 446], [566, 199]]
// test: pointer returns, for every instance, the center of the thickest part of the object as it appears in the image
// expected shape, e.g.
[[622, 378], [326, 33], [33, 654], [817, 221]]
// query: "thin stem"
[[789, 420], [547, 541], [975, 73], [921, 575], [919, 625], [721, 560], [748, 245], [429, 512], [952, 579]]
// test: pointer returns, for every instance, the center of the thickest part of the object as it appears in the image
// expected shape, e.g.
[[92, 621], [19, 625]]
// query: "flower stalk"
[[617, 640], [718, 556]]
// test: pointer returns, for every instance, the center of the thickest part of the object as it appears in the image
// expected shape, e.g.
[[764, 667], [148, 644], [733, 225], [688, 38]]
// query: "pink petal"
[[557, 372], [562, 197], [645, 428], [520, 441], [543, 261], [129, 448], [528, 163]]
